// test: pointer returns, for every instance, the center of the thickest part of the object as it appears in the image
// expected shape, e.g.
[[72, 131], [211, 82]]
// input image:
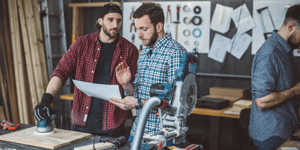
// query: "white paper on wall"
[[221, 18], [217, 50], [238, 45], [245, 22]]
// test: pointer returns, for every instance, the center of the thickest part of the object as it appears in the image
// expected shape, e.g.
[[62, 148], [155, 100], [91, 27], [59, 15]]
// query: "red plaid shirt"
[[82, 57]]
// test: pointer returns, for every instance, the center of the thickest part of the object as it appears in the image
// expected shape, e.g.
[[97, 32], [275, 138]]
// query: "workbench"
[[16, 146], [215, 123], [290, 143]]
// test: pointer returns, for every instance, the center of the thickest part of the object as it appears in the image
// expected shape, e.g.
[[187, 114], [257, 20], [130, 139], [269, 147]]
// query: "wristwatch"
[[139, 104]]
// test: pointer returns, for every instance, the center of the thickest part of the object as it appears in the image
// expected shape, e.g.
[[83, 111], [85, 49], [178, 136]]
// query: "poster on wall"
[[268, 15], [193, 26]]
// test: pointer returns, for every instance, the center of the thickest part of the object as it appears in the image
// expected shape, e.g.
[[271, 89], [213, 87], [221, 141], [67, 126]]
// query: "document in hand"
[[102, 91]]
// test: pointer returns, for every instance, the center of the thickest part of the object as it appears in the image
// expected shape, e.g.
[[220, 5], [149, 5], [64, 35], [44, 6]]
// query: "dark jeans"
[[115, 133], [272, 143]]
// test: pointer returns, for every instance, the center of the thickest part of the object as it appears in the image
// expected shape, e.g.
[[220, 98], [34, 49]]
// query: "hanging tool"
[[177, 22], [169, 14], [267, 11], [132, 12], [132, 26]]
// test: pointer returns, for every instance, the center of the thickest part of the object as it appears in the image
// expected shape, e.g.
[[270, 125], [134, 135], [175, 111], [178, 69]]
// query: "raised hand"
[[123, 74]]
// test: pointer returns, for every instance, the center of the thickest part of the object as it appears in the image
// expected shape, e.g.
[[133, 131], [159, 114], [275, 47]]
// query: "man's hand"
[[43, 109], [123, 74], [127, 103]]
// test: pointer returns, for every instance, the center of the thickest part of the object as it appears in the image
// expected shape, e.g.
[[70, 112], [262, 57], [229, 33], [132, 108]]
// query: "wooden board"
[[98, 146], [2, 115], [59, 139], [211, 112], [11, 85], [67, 96]]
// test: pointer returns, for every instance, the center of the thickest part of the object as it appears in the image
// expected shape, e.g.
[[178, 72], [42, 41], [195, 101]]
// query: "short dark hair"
[[293, 14], [154, 11]]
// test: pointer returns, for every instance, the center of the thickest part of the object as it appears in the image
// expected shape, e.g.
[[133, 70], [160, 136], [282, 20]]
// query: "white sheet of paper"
[[221, 19], [239, 46], [246, 22], [217, 50], [102, 91]]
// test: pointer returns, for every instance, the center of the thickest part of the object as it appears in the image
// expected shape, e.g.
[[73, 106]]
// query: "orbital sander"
[[45, 127]]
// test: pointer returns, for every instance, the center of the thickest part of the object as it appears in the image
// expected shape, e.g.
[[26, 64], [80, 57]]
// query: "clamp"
[[169, 14]]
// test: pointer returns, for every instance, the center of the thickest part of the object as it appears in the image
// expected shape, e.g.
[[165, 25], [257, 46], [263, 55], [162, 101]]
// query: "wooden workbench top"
[[199, 111]]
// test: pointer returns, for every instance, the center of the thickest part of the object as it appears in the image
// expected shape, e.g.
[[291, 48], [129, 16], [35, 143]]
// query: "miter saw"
[[175, 100]]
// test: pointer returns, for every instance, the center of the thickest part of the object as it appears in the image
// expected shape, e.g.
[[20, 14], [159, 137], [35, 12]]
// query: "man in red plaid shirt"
[[93, 58]]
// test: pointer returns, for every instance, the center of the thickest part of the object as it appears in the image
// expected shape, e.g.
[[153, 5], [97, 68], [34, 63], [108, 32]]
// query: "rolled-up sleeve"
[[67, 63], [264, 75]]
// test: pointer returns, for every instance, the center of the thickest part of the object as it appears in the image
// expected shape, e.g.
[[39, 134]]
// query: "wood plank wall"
[[24, 46]]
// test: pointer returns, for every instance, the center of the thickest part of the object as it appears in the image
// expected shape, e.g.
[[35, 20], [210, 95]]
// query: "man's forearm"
[[129, 88], [54, 85], [276, 98]]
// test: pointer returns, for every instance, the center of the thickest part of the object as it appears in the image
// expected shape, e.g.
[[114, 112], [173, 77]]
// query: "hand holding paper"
[[102, 91]]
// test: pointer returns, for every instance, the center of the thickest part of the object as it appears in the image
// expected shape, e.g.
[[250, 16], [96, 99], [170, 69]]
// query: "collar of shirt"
[[158, 44], [119, 39], [285, 45]]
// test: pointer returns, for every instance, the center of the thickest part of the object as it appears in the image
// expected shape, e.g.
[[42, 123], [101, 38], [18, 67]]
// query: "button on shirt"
[[272, 71], [80, 58], [158, 67]]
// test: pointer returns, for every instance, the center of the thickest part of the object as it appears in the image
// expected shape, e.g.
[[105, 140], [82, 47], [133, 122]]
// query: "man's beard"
[[151, 40], [291, 43], [107, 32]]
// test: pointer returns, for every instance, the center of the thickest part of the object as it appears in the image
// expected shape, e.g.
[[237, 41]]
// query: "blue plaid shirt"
[[158, 67]]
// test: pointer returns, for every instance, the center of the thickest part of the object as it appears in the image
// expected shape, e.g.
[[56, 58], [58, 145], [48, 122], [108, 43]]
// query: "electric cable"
[[197, 10], [186, 32], [195, 33], [186, 8], [94, 142], [187, 43], [187, 20], [196, 20]]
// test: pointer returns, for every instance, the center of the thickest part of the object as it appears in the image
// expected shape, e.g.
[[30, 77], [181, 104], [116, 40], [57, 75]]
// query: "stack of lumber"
[[24, 60]]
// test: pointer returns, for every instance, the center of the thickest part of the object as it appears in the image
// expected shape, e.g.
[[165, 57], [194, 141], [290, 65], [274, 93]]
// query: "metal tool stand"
[[259, 11]]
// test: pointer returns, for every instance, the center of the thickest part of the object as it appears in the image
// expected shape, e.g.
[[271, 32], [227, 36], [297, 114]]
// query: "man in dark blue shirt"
[[275, 109]]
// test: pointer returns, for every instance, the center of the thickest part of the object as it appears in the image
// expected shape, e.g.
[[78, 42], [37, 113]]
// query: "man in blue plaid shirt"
[[157, 63]]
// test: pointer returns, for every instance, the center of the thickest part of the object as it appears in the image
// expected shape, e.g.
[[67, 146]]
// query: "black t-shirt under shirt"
[[95, 117]]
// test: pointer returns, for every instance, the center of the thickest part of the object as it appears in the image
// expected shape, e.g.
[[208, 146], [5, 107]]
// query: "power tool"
[[175, 100], [45, 127]]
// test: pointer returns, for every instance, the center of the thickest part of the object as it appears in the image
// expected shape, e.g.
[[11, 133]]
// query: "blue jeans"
[[272, 143]]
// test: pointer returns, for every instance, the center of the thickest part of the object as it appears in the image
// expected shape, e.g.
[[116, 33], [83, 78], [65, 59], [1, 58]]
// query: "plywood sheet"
[[59, 139], [98, 146]]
